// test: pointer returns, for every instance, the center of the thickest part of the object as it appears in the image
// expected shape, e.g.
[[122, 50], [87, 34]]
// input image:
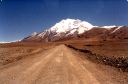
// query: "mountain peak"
[[69, 24]]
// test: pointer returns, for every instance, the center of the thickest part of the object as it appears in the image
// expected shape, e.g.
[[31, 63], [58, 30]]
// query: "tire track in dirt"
[[27, 70]]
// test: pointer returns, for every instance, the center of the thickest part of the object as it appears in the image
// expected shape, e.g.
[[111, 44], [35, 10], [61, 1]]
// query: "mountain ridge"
[[71, 28]]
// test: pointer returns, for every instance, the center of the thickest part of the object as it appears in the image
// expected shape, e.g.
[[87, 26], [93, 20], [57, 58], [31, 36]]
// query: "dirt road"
[[59, 65]]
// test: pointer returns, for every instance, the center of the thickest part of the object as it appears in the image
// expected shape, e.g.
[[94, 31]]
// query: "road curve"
[[58, 65]]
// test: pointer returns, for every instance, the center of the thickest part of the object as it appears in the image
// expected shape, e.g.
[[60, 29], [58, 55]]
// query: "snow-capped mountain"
[[71, 28]]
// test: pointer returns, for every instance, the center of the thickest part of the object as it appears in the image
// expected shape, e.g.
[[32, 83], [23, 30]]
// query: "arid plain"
[[69, 62]]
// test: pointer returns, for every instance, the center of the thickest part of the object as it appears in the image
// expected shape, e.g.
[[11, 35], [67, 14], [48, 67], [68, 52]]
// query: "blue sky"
[[19, 18]]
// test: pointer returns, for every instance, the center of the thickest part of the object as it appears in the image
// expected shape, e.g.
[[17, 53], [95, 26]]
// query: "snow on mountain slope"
[[71, 28], [108, 26], [70, 24], [10, 41]]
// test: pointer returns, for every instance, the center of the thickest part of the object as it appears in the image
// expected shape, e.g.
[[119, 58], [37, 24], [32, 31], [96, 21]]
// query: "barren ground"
[[57, 64]]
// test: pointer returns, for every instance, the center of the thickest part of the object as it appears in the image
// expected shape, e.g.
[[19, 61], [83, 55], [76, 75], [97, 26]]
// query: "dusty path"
[[55, 66]]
